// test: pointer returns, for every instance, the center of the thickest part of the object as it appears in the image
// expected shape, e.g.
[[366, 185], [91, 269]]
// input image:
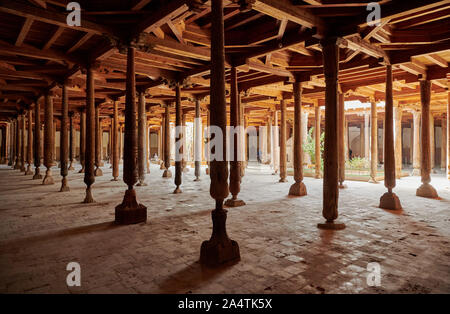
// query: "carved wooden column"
[[346, 150], [37, 141], [115, 139], [22, 143], [283, 142], [432, 143], [147, 145], [366, 135], [120, 142], [54, 142], [162, 142], [63, 146], [89, 176], [304, 127], [130, 211], [298, 188], [219, 249], [208, 139], [317, 152], [448, 129], [197, 140], [11, 144], [389, 200], [416, 144], [98, 134], [29, 142], [330, 50], [373, 141], [142, 126], [269, 138], [48, 139], [71, 140], [178, 139], [426, 189], [82, 139], [398, 141], [235, 167], [276, 148], [184, 141], [444, 143], [341, 139], [17, 143], [167, 173]]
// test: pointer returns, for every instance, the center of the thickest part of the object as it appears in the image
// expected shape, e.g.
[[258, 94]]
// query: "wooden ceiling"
[[272, 42]]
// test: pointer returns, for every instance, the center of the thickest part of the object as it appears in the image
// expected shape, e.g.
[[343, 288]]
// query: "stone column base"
[[167, 174], [130, 212], [98, 172], [390, 201], [298, 189], [331, 226], [426, 190], [177, 190], [342, 186], [234, 202]]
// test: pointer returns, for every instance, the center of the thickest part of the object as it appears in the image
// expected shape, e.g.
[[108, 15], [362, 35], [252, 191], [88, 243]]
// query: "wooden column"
[[317, 151], [330, 50], [16, 143], [115, 139], [219, 249], [298, 188], [426, 189], [37, 141], [235, 176], [147, 145], [130, 211], [197, 140], [71, 140], [142, 126], [120, 142], [89, 176], [29, 142], [98, 142], [22, 143], [448, 129], [432, 144], [208, 139], [184, 141], [64, 137], [341, 139], [283, 142], [48, 139], [389, 200], [362, 140], [54, 142], [346, 150], [178, 139], [373, 141], [276, 143], [444, 143], [167, 173], [269, 138], [366, 135], [416, 144], [11, 144], [82, 139], [304, 127], [398, 141], [162, 142]]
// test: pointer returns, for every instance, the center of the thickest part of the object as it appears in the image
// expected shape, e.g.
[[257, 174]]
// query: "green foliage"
[[358, 163], [310, 146]]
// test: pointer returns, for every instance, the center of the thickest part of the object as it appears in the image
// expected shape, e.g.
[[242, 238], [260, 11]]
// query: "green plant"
[[310, 146], [358, 163]]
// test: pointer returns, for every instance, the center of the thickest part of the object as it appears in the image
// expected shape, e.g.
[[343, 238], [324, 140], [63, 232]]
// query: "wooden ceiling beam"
[[24, 31]]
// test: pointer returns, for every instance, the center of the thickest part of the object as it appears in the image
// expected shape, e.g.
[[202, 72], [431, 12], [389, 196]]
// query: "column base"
[[167, 174], [298, 189], [234, 202], [81, 170], [98, 172], [29, 172], [37, 176], [197, 179], [390, 201], [331, 225], [162, 167], [372, 180], [142, 183], [22, 169], [416, 172], [130, 212], [64, 186], [317, 176], [177, 190], [342, 186], [88, 198], [282, 180], [426, 190], [114, 179], [48, 179], [71, 167]]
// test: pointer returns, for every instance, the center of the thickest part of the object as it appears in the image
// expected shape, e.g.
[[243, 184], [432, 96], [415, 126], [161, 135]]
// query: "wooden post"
[[398, 141], [373, 141], [317, 151], [208, 139], [219, 249], [178, 139], [330, 50], [184, 153], [98, 134], [82, 139], [16, 143], [269, 138], [167, 173], [448, 129], [426, 189], [298, 188], [416, 144], [37, 141], [444, 143], [389, 200], [48, 139], [142, 126], [341, 139], [29, 142], [89, 176], [276, 146], [147, 145], [11, 144], [71, 140], [130, 211], [197, 140], [162, 141], [115, 139], [63, 146], [22, 143], [283, 142], [432, 143], [366, 135], [54, 142], [235, 167]]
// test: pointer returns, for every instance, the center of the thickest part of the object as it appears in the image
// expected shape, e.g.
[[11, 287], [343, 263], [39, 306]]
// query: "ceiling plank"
[[24, 31]]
